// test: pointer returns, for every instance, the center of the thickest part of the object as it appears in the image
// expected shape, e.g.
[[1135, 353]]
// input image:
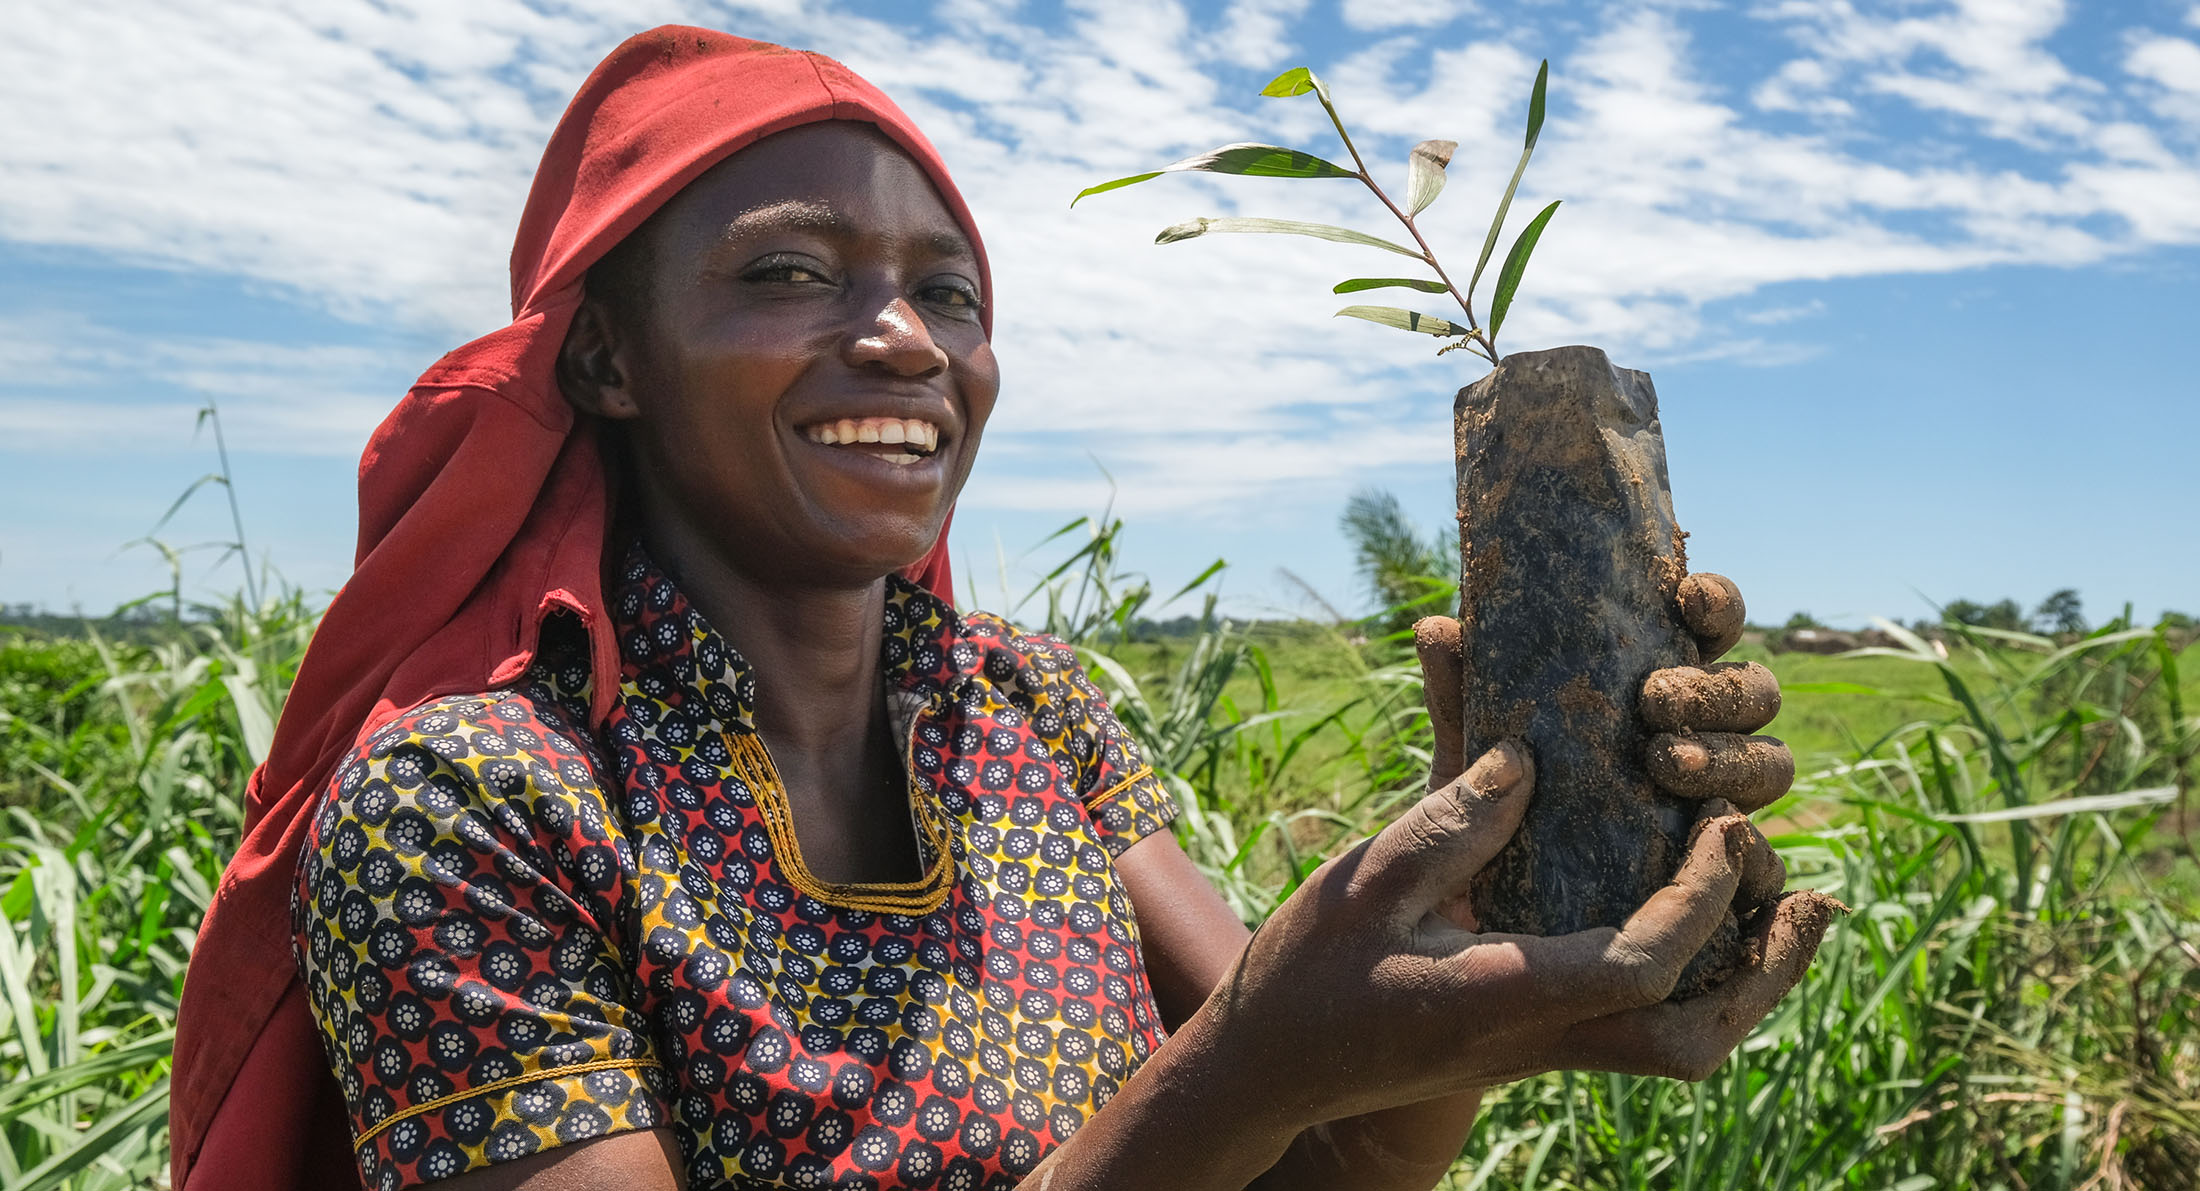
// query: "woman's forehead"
[[834, 177]]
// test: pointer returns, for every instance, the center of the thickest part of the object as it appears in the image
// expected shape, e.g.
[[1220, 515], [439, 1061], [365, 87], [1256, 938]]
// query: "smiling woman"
[[645, 816]]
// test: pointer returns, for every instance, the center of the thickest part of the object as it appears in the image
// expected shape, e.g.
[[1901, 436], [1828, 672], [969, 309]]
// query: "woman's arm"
[[648, 1160], [1190, 938]]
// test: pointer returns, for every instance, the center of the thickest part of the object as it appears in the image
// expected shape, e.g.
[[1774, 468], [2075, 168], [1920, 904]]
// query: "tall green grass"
[[2011, 1005], [122, 768]]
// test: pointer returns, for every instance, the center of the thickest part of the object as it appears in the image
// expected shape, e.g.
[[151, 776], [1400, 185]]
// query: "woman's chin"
[[861, 555]]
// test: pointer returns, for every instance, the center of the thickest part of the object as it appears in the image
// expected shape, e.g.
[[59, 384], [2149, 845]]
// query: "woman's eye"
[[953, 293], [784, 271]]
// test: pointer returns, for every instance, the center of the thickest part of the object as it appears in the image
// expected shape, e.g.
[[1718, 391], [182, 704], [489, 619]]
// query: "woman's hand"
[[1359, 993], [1441, 1008], [1698, 717]]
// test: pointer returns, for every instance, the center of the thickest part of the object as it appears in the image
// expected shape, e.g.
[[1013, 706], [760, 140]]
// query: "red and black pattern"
[[516, 936]]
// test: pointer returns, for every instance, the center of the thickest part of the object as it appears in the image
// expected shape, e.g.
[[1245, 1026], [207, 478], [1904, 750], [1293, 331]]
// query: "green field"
[[2012, 1004]]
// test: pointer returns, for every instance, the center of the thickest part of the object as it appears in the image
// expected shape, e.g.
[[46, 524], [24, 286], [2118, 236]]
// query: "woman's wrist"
[[1192, 1118]]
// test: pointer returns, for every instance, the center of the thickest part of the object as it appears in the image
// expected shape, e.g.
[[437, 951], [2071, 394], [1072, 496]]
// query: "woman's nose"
[[896, 339]]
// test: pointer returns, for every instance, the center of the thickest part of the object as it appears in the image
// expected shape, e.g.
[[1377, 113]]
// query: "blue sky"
[[1913, 279]]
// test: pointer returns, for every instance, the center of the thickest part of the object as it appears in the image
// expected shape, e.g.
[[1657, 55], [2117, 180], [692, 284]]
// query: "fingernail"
[[1737, 842], [1499, 770]]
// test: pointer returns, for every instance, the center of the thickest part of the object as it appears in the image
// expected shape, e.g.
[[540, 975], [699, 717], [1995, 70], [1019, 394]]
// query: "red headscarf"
[[483, 507]]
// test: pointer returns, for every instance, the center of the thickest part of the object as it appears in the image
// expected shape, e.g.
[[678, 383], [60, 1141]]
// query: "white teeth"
[[919, 434]]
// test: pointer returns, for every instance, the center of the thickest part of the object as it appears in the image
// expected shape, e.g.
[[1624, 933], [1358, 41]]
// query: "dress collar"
[[670, 649]]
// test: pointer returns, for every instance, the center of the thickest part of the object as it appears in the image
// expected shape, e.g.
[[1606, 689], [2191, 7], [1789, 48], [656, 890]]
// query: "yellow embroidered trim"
[[494, 1085], [752, 762], [1101, 799]]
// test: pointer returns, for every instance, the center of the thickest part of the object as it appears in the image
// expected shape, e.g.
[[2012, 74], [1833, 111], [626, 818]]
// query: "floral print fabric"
[[517, 934]]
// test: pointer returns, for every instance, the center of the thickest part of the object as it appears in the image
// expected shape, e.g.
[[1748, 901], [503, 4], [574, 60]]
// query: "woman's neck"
[[814, 649], [815, 652]]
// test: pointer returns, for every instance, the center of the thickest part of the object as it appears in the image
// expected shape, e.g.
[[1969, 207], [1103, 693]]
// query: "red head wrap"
[[483, 506]]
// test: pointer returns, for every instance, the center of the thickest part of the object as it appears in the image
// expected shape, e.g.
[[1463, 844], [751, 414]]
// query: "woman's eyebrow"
[[797, 214], [807, 215]]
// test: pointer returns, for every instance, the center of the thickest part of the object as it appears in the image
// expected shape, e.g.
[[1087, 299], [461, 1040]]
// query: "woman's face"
[[799, 360]]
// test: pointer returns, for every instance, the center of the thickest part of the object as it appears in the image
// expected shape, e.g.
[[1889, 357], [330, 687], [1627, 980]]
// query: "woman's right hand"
[[1361, 993]]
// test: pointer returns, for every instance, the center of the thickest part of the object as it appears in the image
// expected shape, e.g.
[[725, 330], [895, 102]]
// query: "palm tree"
[[1407, 576]]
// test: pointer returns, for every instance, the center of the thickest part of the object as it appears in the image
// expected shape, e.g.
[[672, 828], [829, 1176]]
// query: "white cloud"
[[2172, 64], [288, 399], [1984, 60], [1391, 14], [1775, 315], [372, 159], [1256, 33]]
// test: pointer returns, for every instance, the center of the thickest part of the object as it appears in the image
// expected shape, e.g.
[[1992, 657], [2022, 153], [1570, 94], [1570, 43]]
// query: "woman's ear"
[[589, 369]]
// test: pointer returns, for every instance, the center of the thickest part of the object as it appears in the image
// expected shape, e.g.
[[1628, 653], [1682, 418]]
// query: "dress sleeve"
[[458, 925], [1123, 796]]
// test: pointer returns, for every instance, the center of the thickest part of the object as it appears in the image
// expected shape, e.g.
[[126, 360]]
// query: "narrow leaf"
[[1296, 81], [1359, 283], [1117, 184], [1504, 205], [1516, 263], [1404, 320], [1251, 160], [1535, 102], [2070, 806], [1292, 227], [1425, 173]]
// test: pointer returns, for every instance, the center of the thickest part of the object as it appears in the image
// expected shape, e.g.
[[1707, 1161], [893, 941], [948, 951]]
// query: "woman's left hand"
[[1699, 744], [1698, 718]]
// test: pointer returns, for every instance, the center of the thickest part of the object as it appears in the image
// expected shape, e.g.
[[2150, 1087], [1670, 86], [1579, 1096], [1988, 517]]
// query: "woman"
[[644, 816]]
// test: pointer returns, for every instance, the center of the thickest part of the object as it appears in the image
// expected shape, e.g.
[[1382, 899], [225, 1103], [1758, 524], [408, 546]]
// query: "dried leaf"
[[1425, 173], [1290, 227]]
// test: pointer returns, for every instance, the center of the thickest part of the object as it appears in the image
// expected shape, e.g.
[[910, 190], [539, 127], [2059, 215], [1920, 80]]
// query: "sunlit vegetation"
[[2011, 1004]]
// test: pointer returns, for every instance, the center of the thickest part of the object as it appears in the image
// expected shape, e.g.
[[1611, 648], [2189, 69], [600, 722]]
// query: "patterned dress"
[[517, 934]]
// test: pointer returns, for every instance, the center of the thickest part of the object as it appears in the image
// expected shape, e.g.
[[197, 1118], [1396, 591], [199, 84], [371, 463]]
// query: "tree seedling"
[[1425, 174]]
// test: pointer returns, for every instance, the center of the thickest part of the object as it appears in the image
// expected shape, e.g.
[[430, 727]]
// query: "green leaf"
[[1535, 103], [1357, 284], [1516, 263], [1296, 81], [1290, 227], [1504, 205], [1404, 320], [1251, 160], [1425, 173]]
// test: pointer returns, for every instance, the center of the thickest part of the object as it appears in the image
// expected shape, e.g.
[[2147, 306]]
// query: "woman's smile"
[[917, 437]]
